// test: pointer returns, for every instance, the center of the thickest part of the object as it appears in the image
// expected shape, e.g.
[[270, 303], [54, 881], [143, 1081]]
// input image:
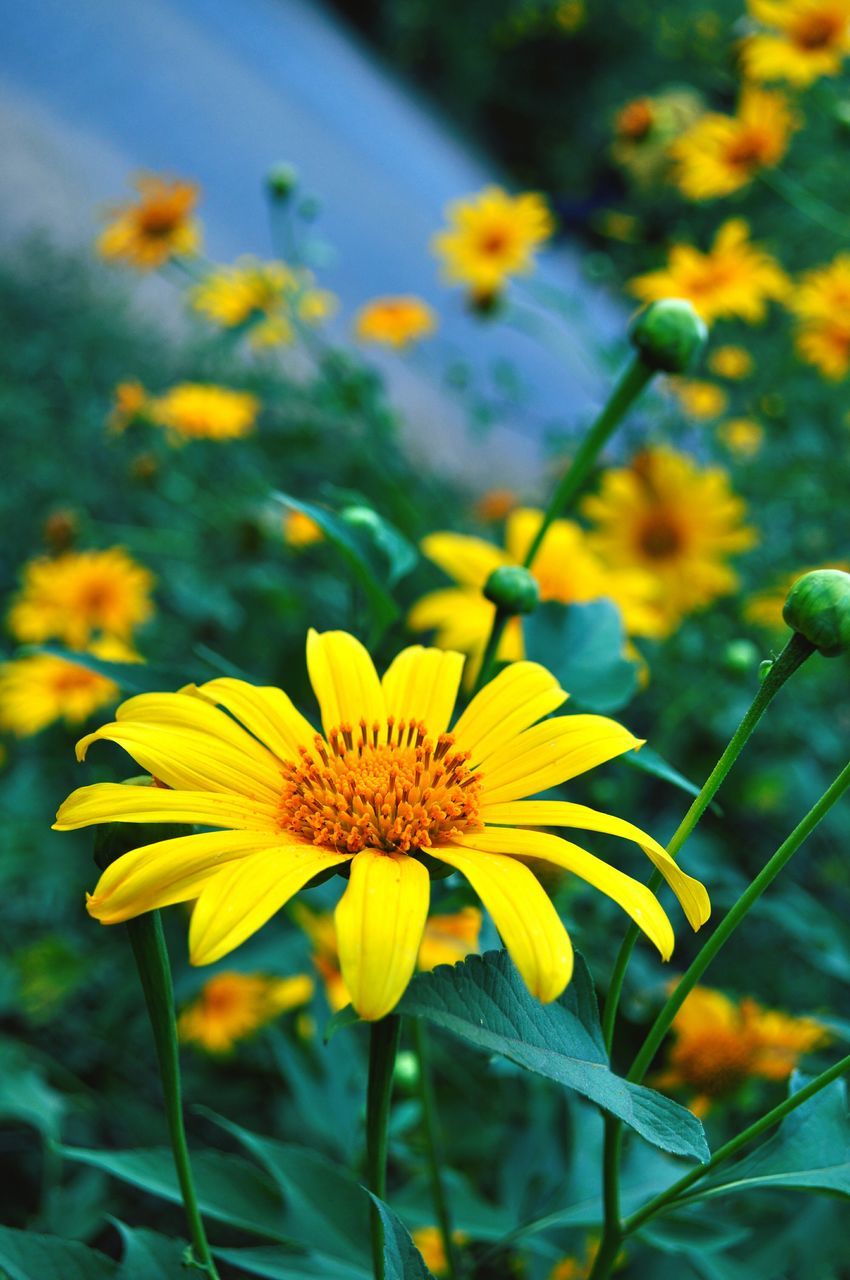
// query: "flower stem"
[[501, 618], [433, 1144], [151, 955], [383, 1045], [805, 203]]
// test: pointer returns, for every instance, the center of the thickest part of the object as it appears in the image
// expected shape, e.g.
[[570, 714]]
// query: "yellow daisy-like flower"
[[429, 1242], [809, 39], [232, 1006], [731, 362], [203, 411], [395, 322], [699, 399], [743, 437], [38, 690], [146, 232], [720, 1043], [491, 237], [734, 279], [566, 570], [79, 595], [821, 304], [129, 404], [385, 781], [572, 1268], [665, 516], [271, 298], [301, 530], [764, 608], [720, 154]]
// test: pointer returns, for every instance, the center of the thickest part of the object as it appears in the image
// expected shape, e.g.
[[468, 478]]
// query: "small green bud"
[[513, 589], [740, 655], [669, 335], [765, 669], [818, 607], [282, 179], [406, 1069]]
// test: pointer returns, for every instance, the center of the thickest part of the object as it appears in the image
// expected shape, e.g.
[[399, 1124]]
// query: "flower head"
[[429, 1242], [743, 437], [734, 279], [129, 405], [821, 304], [203, 411], [37, 690], [720, 154], [491, 237], [665, 516], [79, 595], [146, 232], [271, 299], [232, 1006], [394, 322], [384, 782], [301, 530], [804, 40], [699, 399], [730, 362]]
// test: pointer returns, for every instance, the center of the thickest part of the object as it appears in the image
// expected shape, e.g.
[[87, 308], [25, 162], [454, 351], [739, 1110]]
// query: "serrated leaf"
[[485, 1001], [24, 1255], [402, 1260], [583, 645]]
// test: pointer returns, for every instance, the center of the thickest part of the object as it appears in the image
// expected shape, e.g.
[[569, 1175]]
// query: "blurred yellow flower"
[[429, 1242], [720, 1043], [809, 39], [821, 304], [270, 298], [203, 411], [666, 517], [734, 279], [492, 236], [80, 595], [730, 362], [764, 608], [635, 120], [234, 1005], [573, 1268], [743, 437], [699, 399], [37, 690], [383, 783], [394, 322], [495, 505], [301, 530], [720, 154], [129, 403], [147, 232]]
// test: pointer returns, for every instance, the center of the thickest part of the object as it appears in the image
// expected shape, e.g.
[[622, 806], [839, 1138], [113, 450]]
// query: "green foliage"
[[583, 644]]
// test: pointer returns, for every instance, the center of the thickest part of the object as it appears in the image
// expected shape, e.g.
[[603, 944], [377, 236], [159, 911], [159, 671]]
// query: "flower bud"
[[406, 1069], [669, 335], [512, 589], [281, 180], [818, 607]]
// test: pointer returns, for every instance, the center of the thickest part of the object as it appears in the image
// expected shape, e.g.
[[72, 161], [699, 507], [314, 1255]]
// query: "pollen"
[[389, 787]]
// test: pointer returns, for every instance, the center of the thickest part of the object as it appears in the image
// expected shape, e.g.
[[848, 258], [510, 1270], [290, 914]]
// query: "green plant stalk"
[[501, 618], [805, 203], [151, 955], [433, 1144], [383, 1046]]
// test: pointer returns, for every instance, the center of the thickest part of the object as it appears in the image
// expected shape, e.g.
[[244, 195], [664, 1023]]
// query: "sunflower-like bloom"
[[385, 781], [429, 1242], [301, 530], [394, 322], [232, 1006], [720, 1043], [79, 595], [491, 237], [271, 299], [203, 411], [743, 437], [734, 279], [146, 232], [821, 304], [698, 398], [566, 570], [721, 154], [806, 39], [38, 690], [665, 516], [764, 608], [731, 362]]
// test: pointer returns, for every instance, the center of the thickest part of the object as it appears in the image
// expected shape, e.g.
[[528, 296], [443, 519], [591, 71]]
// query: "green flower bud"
[[513, 589], [740, 655], [818, 607], [282, 179], [406, 1069], [669, 335]]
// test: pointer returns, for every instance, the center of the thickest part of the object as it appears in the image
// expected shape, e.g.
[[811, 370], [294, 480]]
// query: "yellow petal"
[[422, 684], [239, 901], [557, 813], [634, 897], [168, 871], [551, 753], [470, 561], [344, 680], [266, 712], [184, 711], [379, 924], [531, 929], [117, 802], [520, 695]]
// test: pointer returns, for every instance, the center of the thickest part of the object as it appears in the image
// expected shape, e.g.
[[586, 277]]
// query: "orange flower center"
[[748, 150], [160, 218], [814, 31], [715, 1061], [73, 679], [385, 788], [635, 120], [660, 538], [495, 242]]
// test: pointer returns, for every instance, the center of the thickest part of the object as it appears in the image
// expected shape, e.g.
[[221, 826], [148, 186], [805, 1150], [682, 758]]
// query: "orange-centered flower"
[[805, 39], [384, 782], [147, 232]]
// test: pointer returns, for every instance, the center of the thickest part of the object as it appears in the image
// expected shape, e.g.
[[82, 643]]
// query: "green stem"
[[383, 1046], [501, 618], [433, 1144], [151, 954], [810, 206]]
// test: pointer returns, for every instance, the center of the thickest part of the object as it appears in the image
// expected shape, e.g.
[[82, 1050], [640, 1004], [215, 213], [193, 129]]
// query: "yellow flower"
[[491, 237], [644, 129], [566, 569], [809, 39], [764, 608], [271, 298], [79, 595], [675, 522], [385, 781], [821, 304], [429, 1242], [495, 505], [130, 401], [720, 154], [36, 691], [734, 279], [743, 437], [731, 362], [301, 530], [146, 233], [203, 411], [395, 322], [720, 1043], [572, 1268], [232, 1006], [700, 400]]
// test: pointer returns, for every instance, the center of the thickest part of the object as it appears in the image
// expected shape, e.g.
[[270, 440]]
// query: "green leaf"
[[402, 1260], [25, 1095], [274, 1263], [131, 677], [27, 1256], [649, 761], [345, 1017], [150, 1256], [397, 556], [583, 644], [485, 1001]]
